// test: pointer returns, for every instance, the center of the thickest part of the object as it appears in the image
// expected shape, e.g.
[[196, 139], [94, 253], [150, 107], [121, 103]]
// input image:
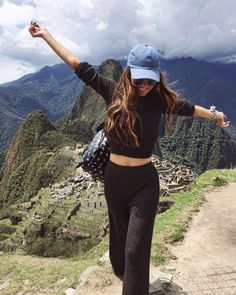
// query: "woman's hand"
[[221, 117], [36, 30], [205, 113]]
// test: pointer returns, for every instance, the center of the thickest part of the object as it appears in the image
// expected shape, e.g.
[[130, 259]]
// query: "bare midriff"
[[128, 161]]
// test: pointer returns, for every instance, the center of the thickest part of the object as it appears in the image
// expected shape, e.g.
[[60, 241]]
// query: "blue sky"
[[98, 29]]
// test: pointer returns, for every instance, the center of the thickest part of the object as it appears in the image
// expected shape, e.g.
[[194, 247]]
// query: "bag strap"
[[100, 126]]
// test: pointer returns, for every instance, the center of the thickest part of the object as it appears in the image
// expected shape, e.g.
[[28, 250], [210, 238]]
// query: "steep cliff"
[[200, 142], [90, 105], [26, 167]]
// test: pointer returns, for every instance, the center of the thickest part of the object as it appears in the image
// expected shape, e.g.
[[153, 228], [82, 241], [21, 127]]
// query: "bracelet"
[[213, 112]]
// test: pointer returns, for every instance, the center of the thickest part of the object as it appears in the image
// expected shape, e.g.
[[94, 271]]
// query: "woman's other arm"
[[37, 31], [205, 113], [185, 107]]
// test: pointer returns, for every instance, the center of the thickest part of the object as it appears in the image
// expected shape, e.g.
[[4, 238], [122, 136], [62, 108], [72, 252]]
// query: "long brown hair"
[[122, 112]]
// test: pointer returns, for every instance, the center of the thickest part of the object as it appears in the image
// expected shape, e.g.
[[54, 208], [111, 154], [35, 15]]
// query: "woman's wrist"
[[213, 113], [46, 35], [218, 115]]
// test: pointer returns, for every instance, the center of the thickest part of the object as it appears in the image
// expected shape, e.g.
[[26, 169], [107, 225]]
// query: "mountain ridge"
[[55, 90]]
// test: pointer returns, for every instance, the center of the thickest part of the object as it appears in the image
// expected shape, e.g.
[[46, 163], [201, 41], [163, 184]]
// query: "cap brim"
[[145, 74]]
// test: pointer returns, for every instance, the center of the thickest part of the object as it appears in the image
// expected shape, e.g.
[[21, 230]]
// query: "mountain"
[[89, 102], [52, 89], [2, 158], [55, 90], [30, 161], [204, 83], [200, 144]]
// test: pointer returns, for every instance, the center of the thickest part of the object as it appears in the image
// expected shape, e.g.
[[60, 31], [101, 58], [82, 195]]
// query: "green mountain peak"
[[27, 156]]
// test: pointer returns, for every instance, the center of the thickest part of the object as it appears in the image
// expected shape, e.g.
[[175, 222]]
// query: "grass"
[[26, 273], [170, 226], [49, 275], [32, 274], [178, 233]]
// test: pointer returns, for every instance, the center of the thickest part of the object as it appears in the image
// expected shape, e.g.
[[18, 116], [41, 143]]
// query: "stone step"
[[165, 171], [92, 221], [171, 186], [94, 212], [177, 189], [91, 225]]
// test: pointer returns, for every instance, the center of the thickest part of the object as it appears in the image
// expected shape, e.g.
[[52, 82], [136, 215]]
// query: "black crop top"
[[150, 108]]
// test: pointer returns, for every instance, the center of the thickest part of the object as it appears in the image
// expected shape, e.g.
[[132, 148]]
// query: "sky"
[[95, 30]]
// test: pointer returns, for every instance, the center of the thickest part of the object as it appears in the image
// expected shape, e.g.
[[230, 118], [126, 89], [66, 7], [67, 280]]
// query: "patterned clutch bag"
[[96, 156]]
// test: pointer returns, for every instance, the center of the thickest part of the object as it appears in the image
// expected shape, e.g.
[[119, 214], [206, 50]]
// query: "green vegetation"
[[49, 275], [200, 144], [2, 158], [38, 171], [50, 227], [52, 89], [178, 233], [171, 225], [36, 159], [91, 107], [77, 130], [53, 275], [58, 248]]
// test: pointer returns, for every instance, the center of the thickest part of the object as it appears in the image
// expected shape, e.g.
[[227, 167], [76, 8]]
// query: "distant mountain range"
[[206, 84], [55, 90], [52, 89], [36, 156]]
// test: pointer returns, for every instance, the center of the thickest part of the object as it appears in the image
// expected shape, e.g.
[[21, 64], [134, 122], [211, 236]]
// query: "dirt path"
[[206, 259]]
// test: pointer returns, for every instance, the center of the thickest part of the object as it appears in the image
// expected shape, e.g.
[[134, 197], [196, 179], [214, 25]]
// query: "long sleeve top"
[[150, 108]]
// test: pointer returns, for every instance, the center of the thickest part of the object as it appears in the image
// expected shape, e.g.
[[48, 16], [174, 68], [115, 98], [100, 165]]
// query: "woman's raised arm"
[[37, 31]]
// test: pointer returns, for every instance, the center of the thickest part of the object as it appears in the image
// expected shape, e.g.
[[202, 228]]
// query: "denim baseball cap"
[[144, 62]]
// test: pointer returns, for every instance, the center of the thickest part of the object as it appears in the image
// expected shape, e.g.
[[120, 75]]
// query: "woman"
[[134, 108]]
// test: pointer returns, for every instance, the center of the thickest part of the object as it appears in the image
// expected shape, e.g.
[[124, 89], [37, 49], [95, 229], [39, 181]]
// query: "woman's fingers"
[[35, 29], [222, 120], [226, 124], [34, 24], [32, 31]]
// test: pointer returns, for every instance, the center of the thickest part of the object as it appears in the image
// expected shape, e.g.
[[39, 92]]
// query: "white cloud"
[[99, 29], [101, 25], [13, 70]]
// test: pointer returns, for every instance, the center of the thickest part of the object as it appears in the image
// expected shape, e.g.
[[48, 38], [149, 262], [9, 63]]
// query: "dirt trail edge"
[[206, 259]]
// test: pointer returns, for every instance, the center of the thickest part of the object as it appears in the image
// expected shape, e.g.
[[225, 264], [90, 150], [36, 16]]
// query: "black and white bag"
[[96, 156]]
